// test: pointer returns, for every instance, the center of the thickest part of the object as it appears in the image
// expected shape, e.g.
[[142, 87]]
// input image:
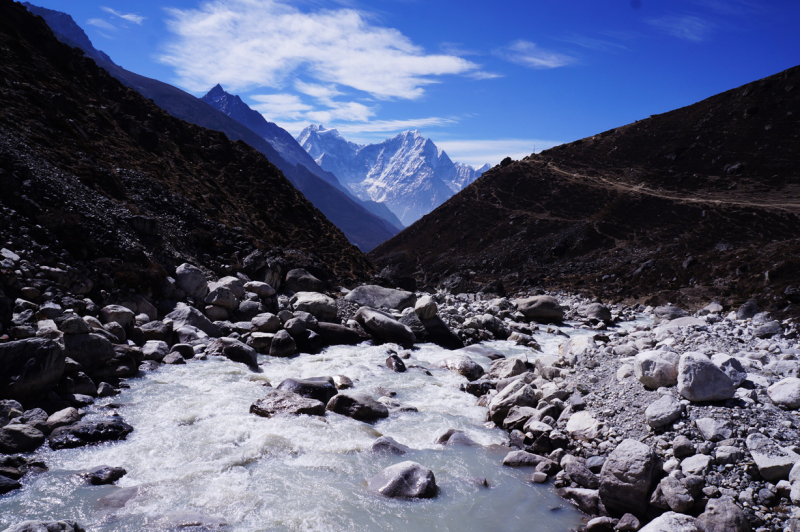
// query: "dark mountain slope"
[[362, 227], [696, 203], [130, 190]]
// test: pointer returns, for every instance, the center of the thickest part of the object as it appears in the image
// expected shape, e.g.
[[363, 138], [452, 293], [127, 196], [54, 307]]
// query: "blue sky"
[[482, 79]]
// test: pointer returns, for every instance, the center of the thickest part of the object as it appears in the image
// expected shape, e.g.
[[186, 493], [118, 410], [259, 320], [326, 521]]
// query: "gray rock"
[[74, 325], [249, 309], [747, 311], [581, 475], [154, 330], [655, 369], [299, 280], [673, 522], [62, 418], [192, 281], [768, 330], [723, 515], [667, 313], [7, 485], [46, 526], [104, 475], [714, 430], [455, 437], [774, 462], [408, 480], [506, 367], [283, 345], [544, 309], [20, 438], [233, 350], [285, 402], [696, 465], [627, 477], [89, 432], [786, 393], [30, 367], [463, 365], [663, 412], [731, 367], [384, 328], [728, 454], [190, 316], [628, 523], [318, 305], [335, 334], [357, 406], [173, 359], [388, 445], [395, 363], [588, 501], [155, 350], [322, 388], [221, 296], [522, 459], [518, 393], [379, 297], [262, 290], [426, 308], [676, 495], [699, 379], [598, 311], [118, 314], [266, 323]]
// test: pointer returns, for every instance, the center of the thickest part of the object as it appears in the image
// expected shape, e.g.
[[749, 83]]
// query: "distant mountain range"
[[357, 220], [408, 172]]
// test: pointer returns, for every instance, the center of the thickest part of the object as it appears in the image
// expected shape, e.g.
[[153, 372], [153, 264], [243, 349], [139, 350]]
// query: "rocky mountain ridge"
[[697, 203], [408, 173], [361, 226]]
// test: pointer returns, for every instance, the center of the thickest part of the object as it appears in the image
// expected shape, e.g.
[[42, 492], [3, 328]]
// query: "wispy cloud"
[[280, 106], [102, 24], [733, 7], [245, 44], [591, 43], [686, 27], [530, 55], [130, 17], [479, 152]]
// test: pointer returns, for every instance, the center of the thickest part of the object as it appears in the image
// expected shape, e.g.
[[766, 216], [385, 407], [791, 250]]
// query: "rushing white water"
[[197, 454]]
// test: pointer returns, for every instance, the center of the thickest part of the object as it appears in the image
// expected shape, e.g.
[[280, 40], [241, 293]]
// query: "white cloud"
[[130, 17], [479, 152], [245, 44], [686, 27], [323, 93], [347, 111], [102, 24], [530, 55], [278, 106]]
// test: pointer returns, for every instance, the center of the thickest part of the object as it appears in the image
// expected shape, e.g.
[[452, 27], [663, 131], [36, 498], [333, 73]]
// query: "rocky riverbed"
[[642, 418]]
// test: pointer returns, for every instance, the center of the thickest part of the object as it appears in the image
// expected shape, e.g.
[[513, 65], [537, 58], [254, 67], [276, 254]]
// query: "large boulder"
[[283, 345], [335, 334], [597, 311], [321, 388], [543, 309], [768, 330], [627, 477], [383, 328], [731, 367], [192, 281], [234, 284], [318, 305], [699, 379], [286, 402], [663, 412], [221, 296], [504, 368], [299, 280], [357, 406], [786, 393], [89, 432], [583, 426], [465, 366], [189, 316], [407, 480], [20, 438], [46, 526], [118, 314], [262, 290], [426, 308], [667, 313], [518, 393], [266, 323], [773, 461], [379, 297], [234, 350], [673, 522], [723, 515], [388, 445], [655, 369], [30, 367]]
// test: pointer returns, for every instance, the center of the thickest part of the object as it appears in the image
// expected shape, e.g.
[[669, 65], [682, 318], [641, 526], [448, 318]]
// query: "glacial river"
[[198, 456]]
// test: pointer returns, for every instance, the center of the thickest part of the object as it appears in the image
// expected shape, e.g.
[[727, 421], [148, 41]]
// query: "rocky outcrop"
[[31, 367], [407, 480], [379, 297]]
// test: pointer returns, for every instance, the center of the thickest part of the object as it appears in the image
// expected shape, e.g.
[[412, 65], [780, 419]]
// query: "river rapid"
[[198, 457]]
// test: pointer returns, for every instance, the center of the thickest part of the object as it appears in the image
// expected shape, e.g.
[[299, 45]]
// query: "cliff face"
[[696, 203], [127, 188]]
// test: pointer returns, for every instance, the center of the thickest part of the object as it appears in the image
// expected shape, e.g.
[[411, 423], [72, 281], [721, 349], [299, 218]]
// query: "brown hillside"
[[119, 181], [701, 202]]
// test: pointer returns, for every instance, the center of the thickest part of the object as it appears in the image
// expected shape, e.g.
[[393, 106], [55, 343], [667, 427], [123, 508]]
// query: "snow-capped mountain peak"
[[408, 173]]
